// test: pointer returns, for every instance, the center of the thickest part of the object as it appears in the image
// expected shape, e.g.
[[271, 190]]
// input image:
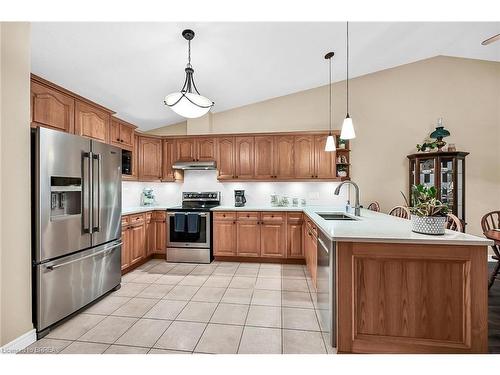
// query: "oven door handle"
[[202, 214]]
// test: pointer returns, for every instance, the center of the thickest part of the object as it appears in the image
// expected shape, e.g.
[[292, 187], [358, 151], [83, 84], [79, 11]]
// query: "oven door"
[[200, 239]]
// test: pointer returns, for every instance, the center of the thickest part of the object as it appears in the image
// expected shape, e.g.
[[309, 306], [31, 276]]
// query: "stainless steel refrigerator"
[[76, 223]]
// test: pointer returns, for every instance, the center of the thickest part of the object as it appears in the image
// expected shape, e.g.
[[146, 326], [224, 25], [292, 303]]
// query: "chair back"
[[490, 221], [454, 223], [400, 211], [374, 206]]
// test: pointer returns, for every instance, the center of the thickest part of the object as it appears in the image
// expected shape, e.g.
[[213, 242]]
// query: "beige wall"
[[174, 129], [15, 217], [393, 110]]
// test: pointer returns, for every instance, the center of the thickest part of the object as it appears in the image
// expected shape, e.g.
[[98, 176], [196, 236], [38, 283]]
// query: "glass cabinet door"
[[427, 175], [447, 175]]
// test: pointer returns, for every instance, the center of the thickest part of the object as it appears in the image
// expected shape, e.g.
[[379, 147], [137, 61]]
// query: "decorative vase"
[[434, 225]]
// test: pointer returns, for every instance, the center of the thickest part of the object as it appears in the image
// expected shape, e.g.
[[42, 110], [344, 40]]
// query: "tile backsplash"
[[257, 193]]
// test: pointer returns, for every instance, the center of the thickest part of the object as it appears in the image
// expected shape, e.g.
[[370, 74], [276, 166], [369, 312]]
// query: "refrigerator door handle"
[[86, 192], [105, 251], [96, 211]]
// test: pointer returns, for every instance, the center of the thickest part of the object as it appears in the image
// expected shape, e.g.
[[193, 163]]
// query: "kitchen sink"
[[334, 216]]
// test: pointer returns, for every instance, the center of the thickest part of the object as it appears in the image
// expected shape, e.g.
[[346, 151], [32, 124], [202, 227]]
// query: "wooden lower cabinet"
[[248, 234], [150, 234], [138, 239], [160, 229], [224, 241], [311, 251], [294, 235], [126, 244], [251, 234]]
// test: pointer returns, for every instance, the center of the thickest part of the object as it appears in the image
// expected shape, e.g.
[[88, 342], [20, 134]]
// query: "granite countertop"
[[369, 227]]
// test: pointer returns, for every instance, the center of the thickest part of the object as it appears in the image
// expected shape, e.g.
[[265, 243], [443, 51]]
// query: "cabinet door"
[[185, 149], [225, 158], [114, 133], [91, 122], [303, 157], [284, 157], [150, 234], [248, 234], [205, 149], [126, 245], [294, 238], [150, 150], [160, 232], [225, 238], [273, 235], [244, 157], [324, 160], [127, 136], [168, 174], [138, 251], [52, 108], [264, 155]]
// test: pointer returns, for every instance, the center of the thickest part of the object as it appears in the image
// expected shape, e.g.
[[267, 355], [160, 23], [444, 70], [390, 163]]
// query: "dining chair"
[[400, 211], [374, 206], [489, 222], [454, 223]]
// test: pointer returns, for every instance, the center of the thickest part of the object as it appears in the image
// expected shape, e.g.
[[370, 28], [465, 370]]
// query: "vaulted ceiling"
[[130, 67]]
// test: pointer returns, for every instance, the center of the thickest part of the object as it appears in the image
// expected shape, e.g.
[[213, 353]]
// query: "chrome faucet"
[[357, 209]]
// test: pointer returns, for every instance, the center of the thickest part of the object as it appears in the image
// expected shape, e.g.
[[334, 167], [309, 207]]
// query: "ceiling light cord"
[[189, 53], [347, 79], [330, 98]]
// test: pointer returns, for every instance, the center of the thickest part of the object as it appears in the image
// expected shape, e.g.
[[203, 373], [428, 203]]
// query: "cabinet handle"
[[234, 222], [312, 176]]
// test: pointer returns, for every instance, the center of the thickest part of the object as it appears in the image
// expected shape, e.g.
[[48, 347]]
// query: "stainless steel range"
[[189, 228]]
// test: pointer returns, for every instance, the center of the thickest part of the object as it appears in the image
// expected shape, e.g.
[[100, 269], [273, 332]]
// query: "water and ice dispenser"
[[65, 197]]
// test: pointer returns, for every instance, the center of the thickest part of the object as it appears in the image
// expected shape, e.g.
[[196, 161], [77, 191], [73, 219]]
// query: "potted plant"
[[428, 214], [341, 171], [342, 143]]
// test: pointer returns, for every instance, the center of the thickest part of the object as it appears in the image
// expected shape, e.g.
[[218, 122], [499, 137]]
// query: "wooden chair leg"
[[494, 274]]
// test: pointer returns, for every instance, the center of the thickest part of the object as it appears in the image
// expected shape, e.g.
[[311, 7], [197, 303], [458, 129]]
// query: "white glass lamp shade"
[[330, 143], [187, 109], [347, 131]]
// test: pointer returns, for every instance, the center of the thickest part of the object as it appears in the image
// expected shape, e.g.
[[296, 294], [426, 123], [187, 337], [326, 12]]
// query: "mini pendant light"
[[330, 140], [189, 103], [347, 126]]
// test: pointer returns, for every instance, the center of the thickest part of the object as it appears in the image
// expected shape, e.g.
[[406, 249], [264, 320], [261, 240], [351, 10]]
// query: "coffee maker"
[[239, 198]]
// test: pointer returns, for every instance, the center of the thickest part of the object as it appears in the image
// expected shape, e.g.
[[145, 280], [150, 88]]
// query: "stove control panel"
[[201, 196]]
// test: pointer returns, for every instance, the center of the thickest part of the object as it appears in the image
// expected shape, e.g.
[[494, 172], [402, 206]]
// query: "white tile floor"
[[224, 307]]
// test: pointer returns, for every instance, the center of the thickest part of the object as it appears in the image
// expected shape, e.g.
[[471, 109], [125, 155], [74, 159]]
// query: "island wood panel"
[[244, 157], [264, 155], [403, 298], [284, 157], [51, 108], [225, 158], [91, 122]]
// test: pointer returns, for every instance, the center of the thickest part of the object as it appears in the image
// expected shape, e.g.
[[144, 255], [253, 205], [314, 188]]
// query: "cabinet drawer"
[[137, 219], [125, 220], [312, 228], [253, 216], [225, 216], [273, 217], [295, 217], [159, 215]]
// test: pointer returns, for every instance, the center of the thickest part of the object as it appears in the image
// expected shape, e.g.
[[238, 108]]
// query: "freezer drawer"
[[70, 283]]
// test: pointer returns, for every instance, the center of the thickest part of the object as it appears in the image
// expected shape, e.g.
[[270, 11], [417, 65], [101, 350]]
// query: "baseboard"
[[19, 343]]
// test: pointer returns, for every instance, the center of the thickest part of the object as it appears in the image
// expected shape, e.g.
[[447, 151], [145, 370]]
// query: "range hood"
[[195, 165]]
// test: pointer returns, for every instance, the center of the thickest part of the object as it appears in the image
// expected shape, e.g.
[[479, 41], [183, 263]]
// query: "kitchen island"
[[395, 291]]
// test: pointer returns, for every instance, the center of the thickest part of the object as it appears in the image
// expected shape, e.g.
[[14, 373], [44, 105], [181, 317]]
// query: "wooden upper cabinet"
[[205, 149], [185, 149], [91, 122], [225, 158], [284, 157], [324, 162], [244, 157], [52, 108], [264, 155], [168, 173], [121, 134], [150, 158], [303, 156]]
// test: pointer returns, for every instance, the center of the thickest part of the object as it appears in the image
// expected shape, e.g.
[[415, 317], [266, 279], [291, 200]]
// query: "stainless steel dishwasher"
[[326, 294]]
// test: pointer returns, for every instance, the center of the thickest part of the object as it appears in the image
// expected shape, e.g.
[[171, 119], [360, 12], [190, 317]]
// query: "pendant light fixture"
[[188, 102], [330, 140], [347, 126]]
